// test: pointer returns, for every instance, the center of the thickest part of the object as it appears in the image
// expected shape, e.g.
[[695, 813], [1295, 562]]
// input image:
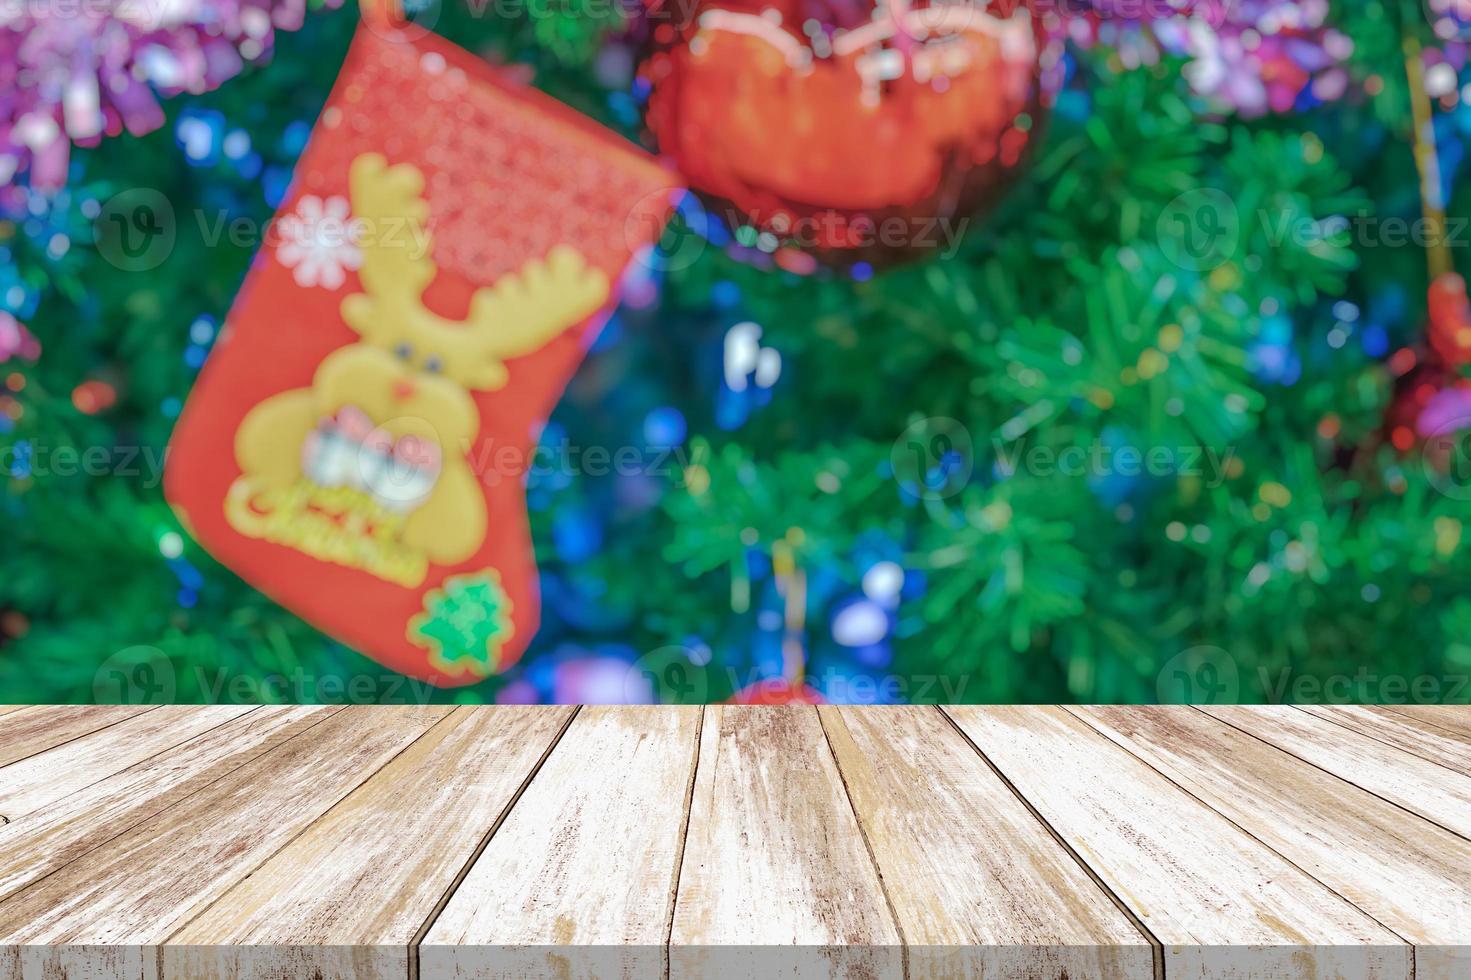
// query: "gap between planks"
[[70, 722], [1092, 724], [327, 712], [697, 750], [1449, 750], [1372, 785], [449, 718], [1397, 868], [867, 843], [1433, 716], [484, 843], [1155, 944], [684, 836]]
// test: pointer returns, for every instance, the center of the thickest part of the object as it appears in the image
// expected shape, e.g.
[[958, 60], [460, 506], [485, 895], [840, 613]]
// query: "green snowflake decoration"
[[465, 624]]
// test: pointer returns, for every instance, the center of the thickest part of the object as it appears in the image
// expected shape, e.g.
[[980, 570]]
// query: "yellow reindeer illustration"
[[367, 467]]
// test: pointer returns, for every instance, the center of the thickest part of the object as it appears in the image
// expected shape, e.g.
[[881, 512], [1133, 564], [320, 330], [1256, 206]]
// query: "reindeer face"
[[405, 392], [399, 403]]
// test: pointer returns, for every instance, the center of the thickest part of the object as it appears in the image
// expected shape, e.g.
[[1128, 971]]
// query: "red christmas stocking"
[[353, 447]]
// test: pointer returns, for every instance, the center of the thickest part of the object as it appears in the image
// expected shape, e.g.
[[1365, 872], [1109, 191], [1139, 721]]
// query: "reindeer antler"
[[396, 268], [514, 316], [521, 310]]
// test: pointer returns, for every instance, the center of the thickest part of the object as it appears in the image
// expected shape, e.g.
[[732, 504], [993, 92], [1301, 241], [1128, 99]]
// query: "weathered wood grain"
[[1452, 718], [99, 962], [978, 884], [1419, 785], [6, 709], [48, 776], [35, 729], [348, 898], [759, 842], [777, 879], [1407, 873], [146, 883], [1445, 748], [68, 828], [1221, 902], [577, 880]]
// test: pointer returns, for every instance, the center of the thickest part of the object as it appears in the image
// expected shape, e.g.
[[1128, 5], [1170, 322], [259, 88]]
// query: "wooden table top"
[[557, 842]]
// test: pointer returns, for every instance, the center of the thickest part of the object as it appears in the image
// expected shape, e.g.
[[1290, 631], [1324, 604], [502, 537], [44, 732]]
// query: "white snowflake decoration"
[[319, 242]]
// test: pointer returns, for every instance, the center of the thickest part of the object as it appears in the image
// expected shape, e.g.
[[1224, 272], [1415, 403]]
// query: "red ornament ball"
[[1421, 380], [858, 130], [93, 397], [1450, 319]]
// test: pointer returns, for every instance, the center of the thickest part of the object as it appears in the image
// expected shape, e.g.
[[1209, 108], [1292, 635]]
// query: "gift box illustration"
[[449, 247]]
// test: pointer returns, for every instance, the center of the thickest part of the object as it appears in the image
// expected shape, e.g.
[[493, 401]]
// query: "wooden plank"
[[110, 909], [577, 881], [349, 897], [6, 709], [1419, 785], [1453, 718], [776, 876], [44, 778], [85, 820], [1407, 873], [978, 884], [1222, 903], [1442, 747], [37, 728]]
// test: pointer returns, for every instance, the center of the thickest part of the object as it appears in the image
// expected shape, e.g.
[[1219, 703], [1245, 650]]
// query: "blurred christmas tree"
[[1078, 460]]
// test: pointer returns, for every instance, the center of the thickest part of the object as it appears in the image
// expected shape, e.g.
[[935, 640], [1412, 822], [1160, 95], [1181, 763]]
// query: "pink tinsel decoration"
[[74, 71], [1447, 413], [1250, 56]]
